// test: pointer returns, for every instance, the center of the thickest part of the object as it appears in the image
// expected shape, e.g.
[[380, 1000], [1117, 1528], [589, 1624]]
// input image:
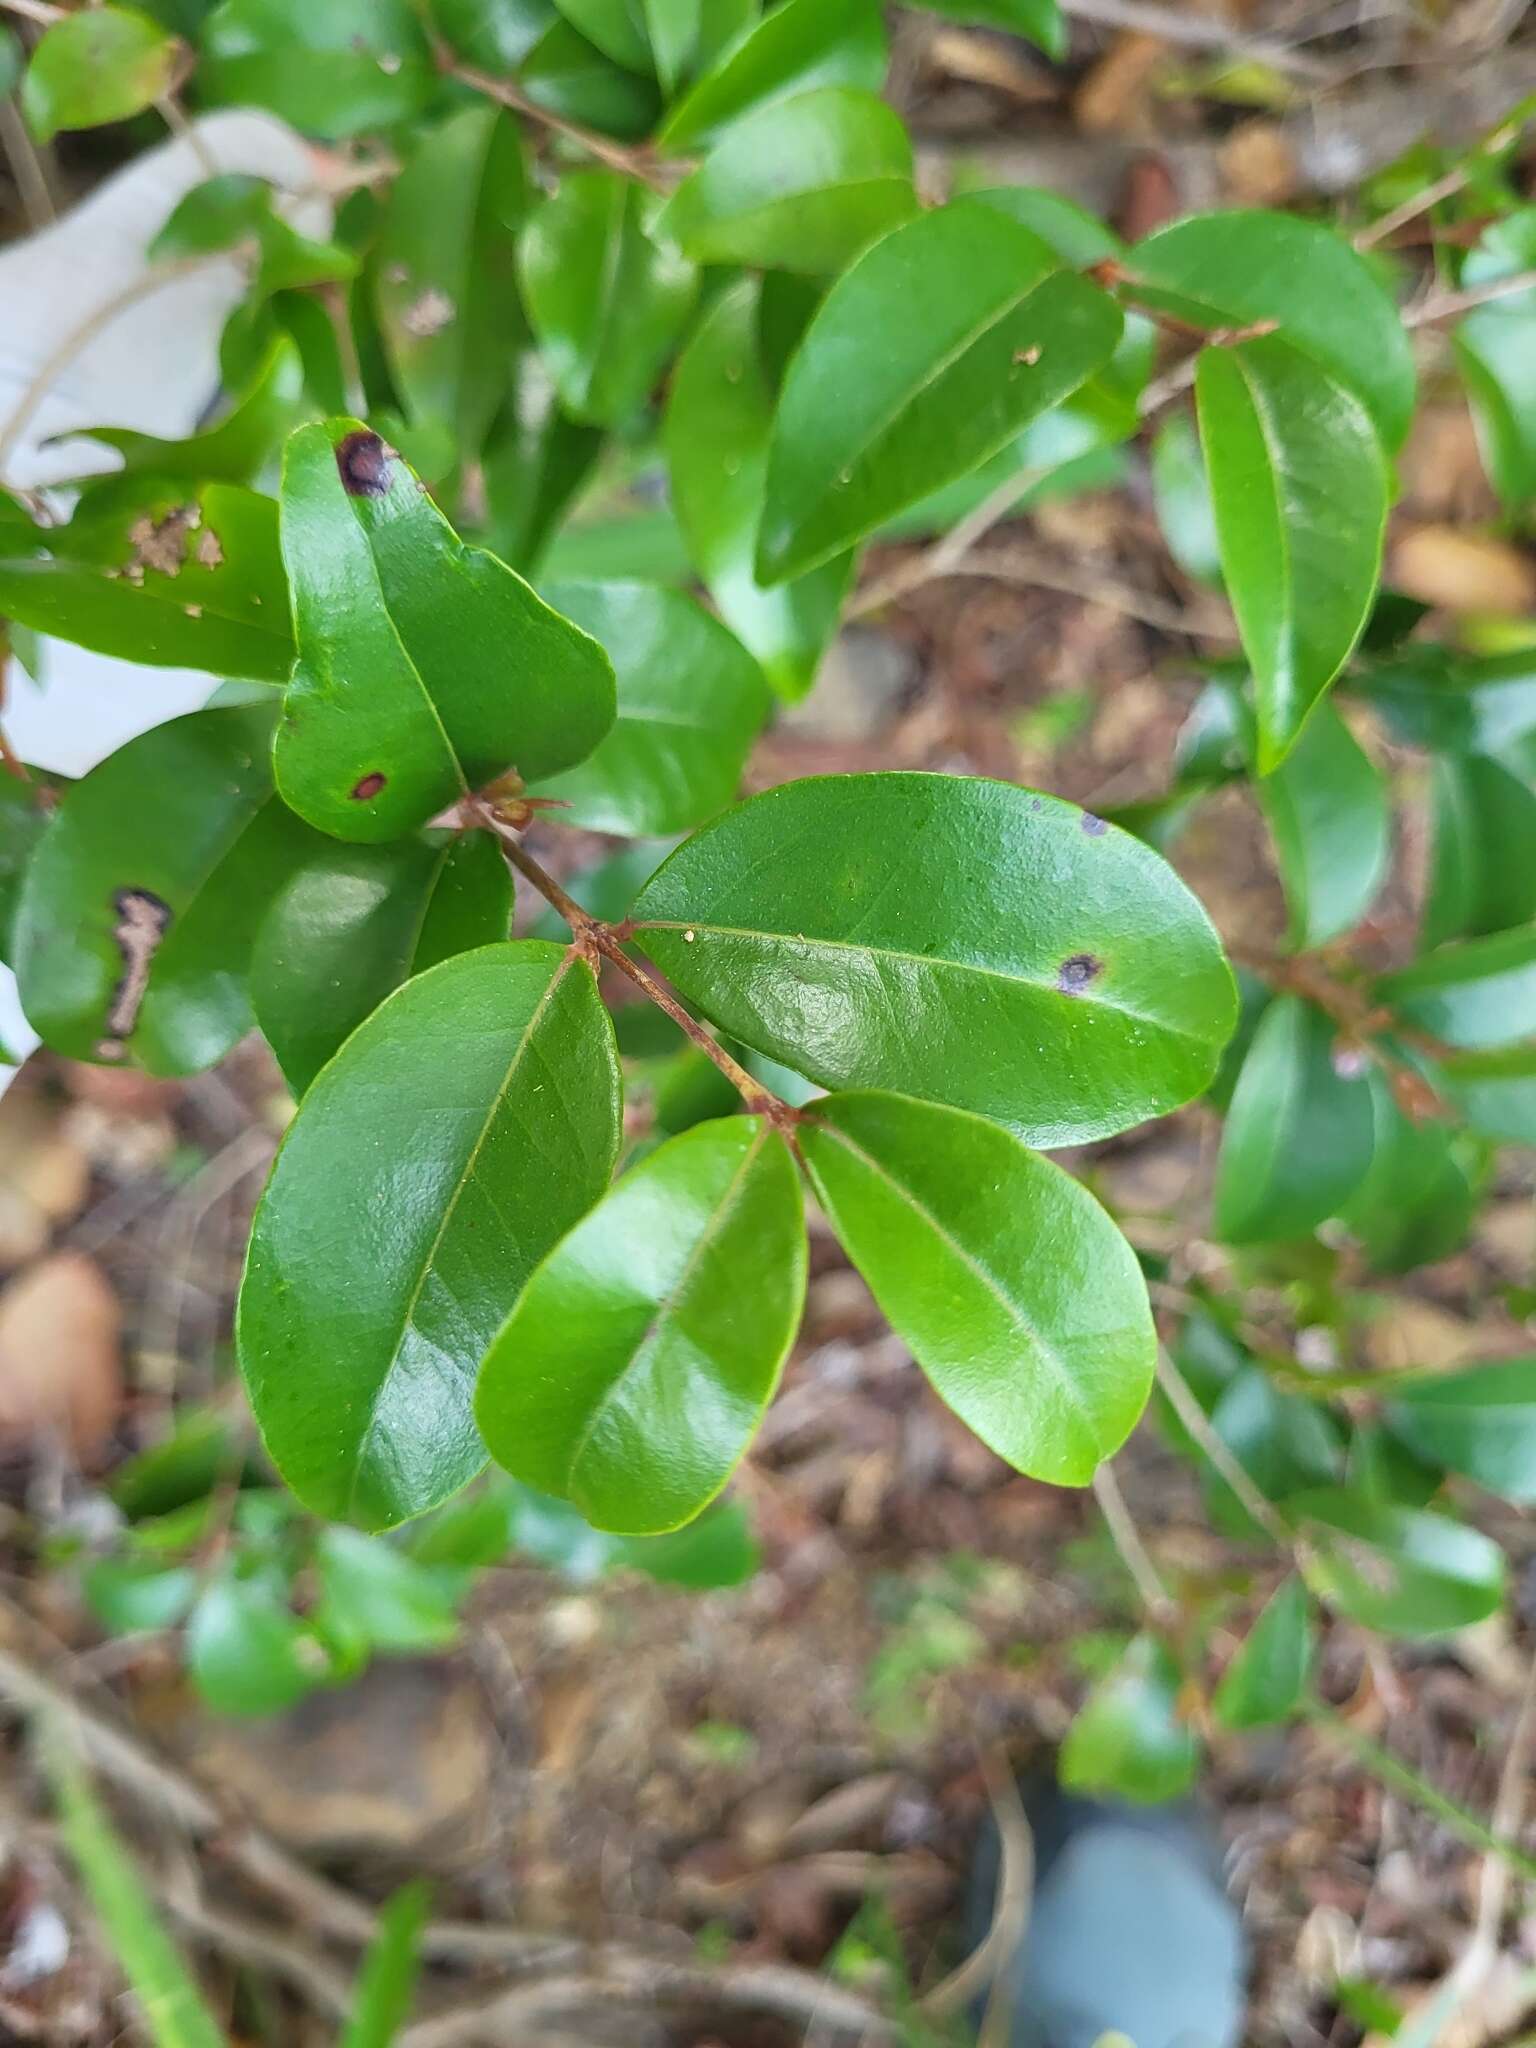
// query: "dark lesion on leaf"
[[363, 459], [142, 918], [1075, 974], [368, 786]]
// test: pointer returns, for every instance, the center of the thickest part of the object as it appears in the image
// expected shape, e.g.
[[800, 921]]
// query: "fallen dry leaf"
[[60, 1363], [1463, 572], [1114, 99]]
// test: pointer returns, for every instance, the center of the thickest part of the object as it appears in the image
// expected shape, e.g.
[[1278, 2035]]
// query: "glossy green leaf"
[[247, 1652], [1419, 1199], [466, 1125], [1475, 993], [1183, 495], [137, 917], [183, 1466], [169, 574], [534, 464], [961, 940], [1453, 703], [24, 812], [672, 27], [1479, 1420], [223, 211], [355, 921], [607, 302], [1495, 1092], [569, 77], [383, 1597], [616, 27], [690, 703], [1300, 488], [103, 64], [1482, 875], [1015, 1292], [425, 667], [1381, 1467], [1401, 1570], [801, 184], [128, 1595], [334, 70], [1496, 345], [717, 430], [797, 45], [1237, 268], [1267, 1680], [1041, 21], [633, 1371], [240, 444], [496, 34], [121, 1892], [1128, 1740], [1299, 1132], [1284, 1442], [444, 275], [1326, 805], [386, 1983], [982, 331]]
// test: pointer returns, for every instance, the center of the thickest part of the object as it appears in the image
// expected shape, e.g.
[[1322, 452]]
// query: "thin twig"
[[1017, 566], [83, 334], [1134, 1554], [1446, 305], [26, 168], [1410, 209], [946, 554], [608, 940], [1194, 1418], [174, 115], [983, 1967], [629, 163]]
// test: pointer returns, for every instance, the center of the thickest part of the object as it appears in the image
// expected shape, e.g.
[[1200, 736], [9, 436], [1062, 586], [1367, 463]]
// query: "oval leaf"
[[101, 65], [1299, 1133], [718, 423], [801, 185], [1328, 815], [981, 331], [356, 921], [632, 1373], [1479, 1421], [1300, 488], [139, 910], [1482, 850], [1267, 1679], [333, 70], [1019, 1298], [425, 667], [961, 940], [690, 703], [247, 1652], [463, 1129], [1476, 993], [1401, 1570], [801, 44], [1128, 1741]]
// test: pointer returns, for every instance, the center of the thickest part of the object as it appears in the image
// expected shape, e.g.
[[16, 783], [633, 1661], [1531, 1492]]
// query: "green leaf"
[[335, 70], [1494, 1091], [140, 908], [425, 667], [672, 27], [1482, 874], [1479, 1420], [235, 449], [798, 45], [1401, 1570], [1048, 1356], [957, 939], [1383, 1468], [607, 303], [380, 1596], [714, 1550], [444, 277], [128, 1595], [690, 703], [1237, 268], [534, 463], [495, 34], [616, 27], [386, 1983], [220, 213], [801, 184], [24, 814], [184, 1466], [354, 922], [637, 1364], [1284, 1442], [1496, 345], [463, 1128], [1418, 1201], [247, 1652], [717, 430], [1267, 1680], [120, 1894], [571, 79], [1326, 805], [1128, 1741], [168, 573], [1299, 1133], [1182, 491], [1474, 993], [1455, 703], [1041, 21], [104, 64], [982, 331], [1300, 488]]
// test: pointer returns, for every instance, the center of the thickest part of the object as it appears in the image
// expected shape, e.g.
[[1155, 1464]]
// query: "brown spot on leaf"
[[160, 544], [428, 315], [1093, 826], [1076, 973], [363, 459], [142, 918], [209, 549], [369, 786]]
